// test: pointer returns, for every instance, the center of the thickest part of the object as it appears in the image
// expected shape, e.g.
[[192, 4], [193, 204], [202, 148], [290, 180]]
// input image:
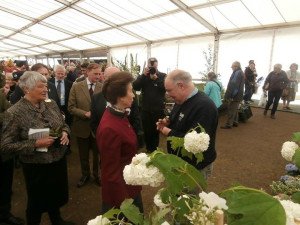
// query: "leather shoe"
[[272, 116], [265, 112], [226, 127], [235, 125], [83, 180], [12, 220]]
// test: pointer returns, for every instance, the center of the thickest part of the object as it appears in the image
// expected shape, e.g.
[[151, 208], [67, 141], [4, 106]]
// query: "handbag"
[[285, 92], [245, 113], [263, 100]]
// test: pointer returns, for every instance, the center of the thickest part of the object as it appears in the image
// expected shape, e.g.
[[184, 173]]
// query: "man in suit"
[[79, 106], [62, 87]]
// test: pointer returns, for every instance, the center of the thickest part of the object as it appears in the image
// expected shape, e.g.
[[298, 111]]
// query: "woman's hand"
[[161, 125], [44, 142], [64, 140]]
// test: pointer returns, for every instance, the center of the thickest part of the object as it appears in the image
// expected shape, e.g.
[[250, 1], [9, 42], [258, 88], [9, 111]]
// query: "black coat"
[[64, 109], [153, 91], [199, 109]]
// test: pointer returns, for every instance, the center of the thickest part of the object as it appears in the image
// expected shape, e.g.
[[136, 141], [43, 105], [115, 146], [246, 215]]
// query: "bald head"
[[110, 70], [179, 85], [180, 76]]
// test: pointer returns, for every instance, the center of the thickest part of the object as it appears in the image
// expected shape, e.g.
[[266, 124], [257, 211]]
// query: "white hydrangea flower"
[[138, 173], [288, 150], [213, 201], [99, 220], [196, 142], [158, 202], [292, 211], [165, 223]]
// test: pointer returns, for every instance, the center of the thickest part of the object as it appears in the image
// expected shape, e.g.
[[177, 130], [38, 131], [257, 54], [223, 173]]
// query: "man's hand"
[[44, 142], [64, 140], [88, 114]]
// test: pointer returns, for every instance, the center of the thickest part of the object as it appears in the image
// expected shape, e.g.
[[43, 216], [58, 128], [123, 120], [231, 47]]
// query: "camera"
[[152, 70]]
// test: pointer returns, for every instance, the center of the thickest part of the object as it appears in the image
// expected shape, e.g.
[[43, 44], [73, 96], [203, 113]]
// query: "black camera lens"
[[152, 70]]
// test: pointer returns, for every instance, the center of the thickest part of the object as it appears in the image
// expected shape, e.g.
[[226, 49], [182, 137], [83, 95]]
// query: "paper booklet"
[[37, 134]]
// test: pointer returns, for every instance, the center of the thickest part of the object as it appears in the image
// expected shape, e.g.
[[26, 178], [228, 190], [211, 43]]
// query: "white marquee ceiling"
[[35, 27]]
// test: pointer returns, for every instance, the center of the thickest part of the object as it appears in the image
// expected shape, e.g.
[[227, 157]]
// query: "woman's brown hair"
[[115, 86]]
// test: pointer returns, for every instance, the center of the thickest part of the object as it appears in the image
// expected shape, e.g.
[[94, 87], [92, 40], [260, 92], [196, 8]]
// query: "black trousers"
[[6, 179], [249, 90], [273, 98], [151, 134]]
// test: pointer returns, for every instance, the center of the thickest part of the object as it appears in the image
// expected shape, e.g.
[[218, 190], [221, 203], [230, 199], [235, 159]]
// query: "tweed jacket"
[[22, 116], [79, 104]]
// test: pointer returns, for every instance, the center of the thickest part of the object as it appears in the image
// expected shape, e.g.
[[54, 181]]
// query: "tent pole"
[[216, 52], [272, 50]]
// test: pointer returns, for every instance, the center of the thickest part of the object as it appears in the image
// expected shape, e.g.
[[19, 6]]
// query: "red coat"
[[117, 144]]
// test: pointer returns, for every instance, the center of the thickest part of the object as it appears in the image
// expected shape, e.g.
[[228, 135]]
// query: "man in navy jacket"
[[191, 108]]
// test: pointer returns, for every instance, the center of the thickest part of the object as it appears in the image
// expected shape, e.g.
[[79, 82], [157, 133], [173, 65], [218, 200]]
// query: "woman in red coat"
[[117, 142]]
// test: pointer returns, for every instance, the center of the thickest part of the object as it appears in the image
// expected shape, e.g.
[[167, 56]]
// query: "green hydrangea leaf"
[[178, 173], [176, 142], [296, 137], [296, 197], [131, 212], [111, 213], [248, 206], [296, 157], [159, 216]]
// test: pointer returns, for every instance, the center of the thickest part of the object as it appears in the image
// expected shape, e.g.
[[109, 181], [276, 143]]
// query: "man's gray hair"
[[29, 80], [59, 67], [181, 75], [278, 65]]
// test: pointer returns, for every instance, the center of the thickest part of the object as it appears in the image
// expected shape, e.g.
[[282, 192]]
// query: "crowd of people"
[[97, 106]]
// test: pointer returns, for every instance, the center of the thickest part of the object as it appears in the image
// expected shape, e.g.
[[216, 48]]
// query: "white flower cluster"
[[288, 150], [196, 142], [213, 201], [158, 202], [165, 223], [138, 173], [99, 220], [292, 211]]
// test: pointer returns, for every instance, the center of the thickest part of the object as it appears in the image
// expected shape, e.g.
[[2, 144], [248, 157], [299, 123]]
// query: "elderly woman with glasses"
[[42, 153]]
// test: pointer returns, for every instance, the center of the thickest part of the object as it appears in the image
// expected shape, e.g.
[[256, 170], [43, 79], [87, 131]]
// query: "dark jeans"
[[6, 179], [249, 90], [84, 146], [151, 134], [273, 98]]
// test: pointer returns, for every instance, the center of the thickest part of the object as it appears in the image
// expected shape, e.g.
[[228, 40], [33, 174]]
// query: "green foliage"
[[296, 197], [131, 212], [179, 175], [296, 157], [296, 137], [289, 187], [131, 66], [248, 206]]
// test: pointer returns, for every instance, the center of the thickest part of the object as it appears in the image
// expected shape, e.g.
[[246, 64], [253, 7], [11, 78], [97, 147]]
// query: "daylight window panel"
[[16, 43], [46, 33], [12, 21], [192, 3], [24, 52], [32, 8], [5, 32], [27, 39], [55, 47], [264, 11], [75, 22], [238, 14], [39, 50], [78, 44], [289, 9], [215, 18], [113, 37]]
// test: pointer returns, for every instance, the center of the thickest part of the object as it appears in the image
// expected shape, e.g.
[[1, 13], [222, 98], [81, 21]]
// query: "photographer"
[[151, 84]]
